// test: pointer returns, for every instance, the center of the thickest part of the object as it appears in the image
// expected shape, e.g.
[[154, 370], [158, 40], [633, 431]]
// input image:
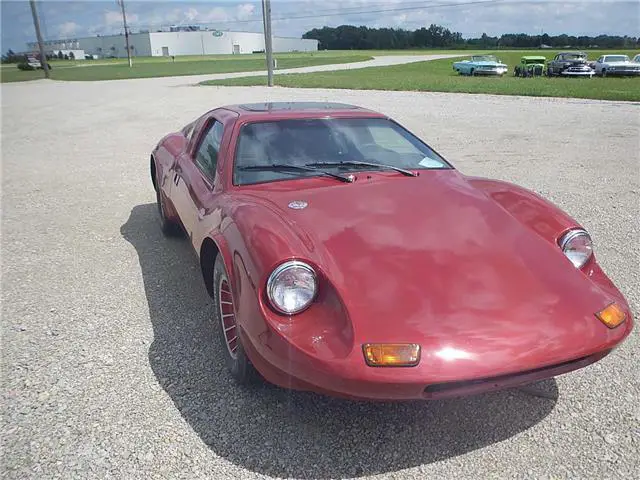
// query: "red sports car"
[[345, 256]]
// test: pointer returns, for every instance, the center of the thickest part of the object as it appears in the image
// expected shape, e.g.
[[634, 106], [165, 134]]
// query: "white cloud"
[[113, 18], [217, 14], [68, 29], [191, 14], [245, 11], [400, 19]]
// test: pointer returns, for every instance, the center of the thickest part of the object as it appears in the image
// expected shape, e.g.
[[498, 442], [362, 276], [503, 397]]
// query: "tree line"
[[12, 57], [349, 37]]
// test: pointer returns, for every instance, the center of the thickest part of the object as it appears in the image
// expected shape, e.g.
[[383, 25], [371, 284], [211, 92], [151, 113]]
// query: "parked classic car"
[[608, 65], [481, 65], [530, 66], [345, 256], [570, 64]]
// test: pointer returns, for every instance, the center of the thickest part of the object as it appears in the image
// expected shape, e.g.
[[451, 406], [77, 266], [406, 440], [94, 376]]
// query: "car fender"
[[532, 210]]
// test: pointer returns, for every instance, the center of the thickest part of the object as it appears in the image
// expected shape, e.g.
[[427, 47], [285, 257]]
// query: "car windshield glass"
[[484, 58], [574, 56], [324, 143], [616, 58]]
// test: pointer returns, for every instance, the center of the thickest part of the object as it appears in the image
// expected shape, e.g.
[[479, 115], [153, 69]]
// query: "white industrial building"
[[156, 44]]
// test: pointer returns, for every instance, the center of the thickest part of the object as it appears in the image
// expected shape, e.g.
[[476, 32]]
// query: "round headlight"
[[292, 287], [577, 247]]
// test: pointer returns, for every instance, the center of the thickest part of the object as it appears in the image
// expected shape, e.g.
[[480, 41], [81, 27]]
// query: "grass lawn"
[[438, 76], [111, 69]]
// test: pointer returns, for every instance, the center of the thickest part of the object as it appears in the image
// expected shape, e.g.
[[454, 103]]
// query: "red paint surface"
[[468, 268]]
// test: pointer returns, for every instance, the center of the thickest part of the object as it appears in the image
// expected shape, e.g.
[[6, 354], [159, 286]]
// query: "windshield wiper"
[[350, 163], [282, 166]]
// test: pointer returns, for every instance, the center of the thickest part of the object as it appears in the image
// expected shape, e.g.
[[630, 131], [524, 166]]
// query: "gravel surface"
[[110, 369]]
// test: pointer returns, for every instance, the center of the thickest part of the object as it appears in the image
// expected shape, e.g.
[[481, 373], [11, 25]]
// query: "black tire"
[[603, 72], [168, 227], [237, 361], [472, 73]]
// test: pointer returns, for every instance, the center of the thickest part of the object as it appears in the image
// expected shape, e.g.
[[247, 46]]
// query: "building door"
[[236, 48], [165, 51]]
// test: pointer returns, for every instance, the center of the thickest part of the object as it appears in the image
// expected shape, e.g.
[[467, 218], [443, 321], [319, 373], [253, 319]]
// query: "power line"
[[342, 12]]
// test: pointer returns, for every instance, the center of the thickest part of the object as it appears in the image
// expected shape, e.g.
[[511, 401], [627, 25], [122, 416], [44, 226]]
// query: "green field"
[[112, 69], [438, 76]]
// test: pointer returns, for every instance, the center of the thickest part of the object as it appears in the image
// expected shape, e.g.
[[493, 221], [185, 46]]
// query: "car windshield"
[[311, 146], [484, 58], [533, 60], [574, 56], [616, 58]]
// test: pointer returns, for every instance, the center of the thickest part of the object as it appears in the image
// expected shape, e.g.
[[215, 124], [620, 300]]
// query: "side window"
[[207, 154]]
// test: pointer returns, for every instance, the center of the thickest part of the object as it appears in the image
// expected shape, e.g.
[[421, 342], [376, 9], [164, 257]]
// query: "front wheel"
[[224, 319]]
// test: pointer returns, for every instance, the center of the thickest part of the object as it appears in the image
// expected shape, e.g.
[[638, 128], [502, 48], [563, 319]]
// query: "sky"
[[68, 19]]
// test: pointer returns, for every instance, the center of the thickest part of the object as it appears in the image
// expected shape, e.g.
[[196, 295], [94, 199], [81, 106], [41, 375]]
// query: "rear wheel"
[[168, 227], [224, 319]]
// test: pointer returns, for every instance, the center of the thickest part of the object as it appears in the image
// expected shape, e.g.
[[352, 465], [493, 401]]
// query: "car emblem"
[[298, 205]]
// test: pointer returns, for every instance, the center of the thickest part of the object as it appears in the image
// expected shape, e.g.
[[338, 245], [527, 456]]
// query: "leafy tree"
[[60, 55], [11, 57], [72, 56], [349, 37]]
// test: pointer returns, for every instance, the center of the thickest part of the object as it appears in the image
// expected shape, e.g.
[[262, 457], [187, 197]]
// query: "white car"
[[616, 65], [636, 59]]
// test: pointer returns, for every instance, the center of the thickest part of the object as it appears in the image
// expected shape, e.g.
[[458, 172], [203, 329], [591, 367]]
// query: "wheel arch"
[[152, 171], [212, 247]]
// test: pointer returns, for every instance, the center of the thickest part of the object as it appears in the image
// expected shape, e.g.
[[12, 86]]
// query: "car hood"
[[620, 64], [433, 260]]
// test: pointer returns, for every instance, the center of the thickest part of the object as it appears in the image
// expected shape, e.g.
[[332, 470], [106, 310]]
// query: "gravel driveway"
[[109, 367]]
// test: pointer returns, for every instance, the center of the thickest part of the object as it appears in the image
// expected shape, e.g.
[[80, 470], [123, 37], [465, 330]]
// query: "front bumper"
[[434, 378], [493, 71], [569, 73], [340, 384], [623, 73]]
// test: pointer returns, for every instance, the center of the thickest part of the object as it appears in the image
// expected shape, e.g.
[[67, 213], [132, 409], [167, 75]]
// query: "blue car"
[[481, 65]]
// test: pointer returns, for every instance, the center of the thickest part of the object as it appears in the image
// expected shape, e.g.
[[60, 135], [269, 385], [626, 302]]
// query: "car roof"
[[533, 57], [572, 52], [296, 109]]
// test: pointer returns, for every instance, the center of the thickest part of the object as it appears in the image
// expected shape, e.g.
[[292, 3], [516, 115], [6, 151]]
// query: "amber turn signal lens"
[[391, 354], [612, 316]]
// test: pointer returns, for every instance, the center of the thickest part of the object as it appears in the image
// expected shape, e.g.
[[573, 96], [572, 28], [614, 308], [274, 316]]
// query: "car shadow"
[[283, 433]]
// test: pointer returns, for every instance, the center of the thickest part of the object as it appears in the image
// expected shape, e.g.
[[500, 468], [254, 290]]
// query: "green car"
[[530, 66]]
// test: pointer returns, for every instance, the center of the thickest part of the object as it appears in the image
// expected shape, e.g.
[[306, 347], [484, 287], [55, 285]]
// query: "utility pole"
[[36, 23], [268, 45], [126, 31]]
